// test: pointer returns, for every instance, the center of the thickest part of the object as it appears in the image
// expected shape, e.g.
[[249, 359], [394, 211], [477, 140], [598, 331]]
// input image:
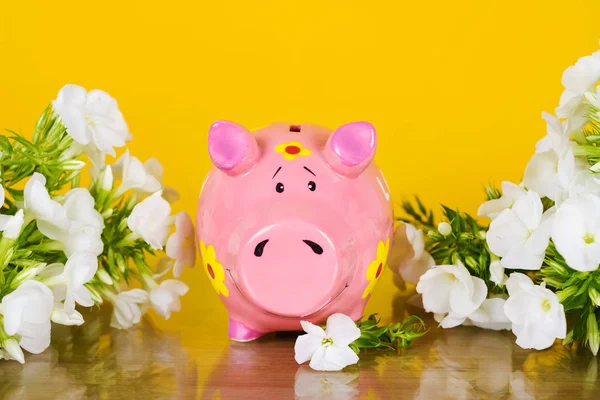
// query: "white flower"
[[444, 228], [490, 315], [452, 291], [328, 350], [408, 256], [27, 313], [520, 235], [535, 312], [11, 224], [134, 175], [497, 274], [92, 119], [83, 238], [181, 245], [150, 220], [50, 215], [577, 80], [127, 310], [576, 232], [79, 206], [510, 193], [154, 168], [67, 281], [165, 298], [60, 316]]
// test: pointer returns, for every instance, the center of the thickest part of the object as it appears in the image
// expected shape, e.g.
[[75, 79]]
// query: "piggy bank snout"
[[290, 268]]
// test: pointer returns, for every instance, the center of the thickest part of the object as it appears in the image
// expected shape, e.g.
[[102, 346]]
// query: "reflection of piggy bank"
[[294, 223]]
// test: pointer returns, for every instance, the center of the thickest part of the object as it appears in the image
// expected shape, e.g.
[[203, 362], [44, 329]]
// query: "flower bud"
[[72, 165], [481, 235], [566, 293], [594, 296], [592, 335], [444, 228], [471, 262], [106, 179], [104, 276], [12, 348]]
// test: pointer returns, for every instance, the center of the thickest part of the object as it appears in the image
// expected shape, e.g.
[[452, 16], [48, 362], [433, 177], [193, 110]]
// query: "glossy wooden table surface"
[[189, 356]]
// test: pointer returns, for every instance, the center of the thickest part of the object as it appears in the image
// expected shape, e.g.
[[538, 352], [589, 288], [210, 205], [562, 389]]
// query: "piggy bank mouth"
[[289, 269], [241, 292]]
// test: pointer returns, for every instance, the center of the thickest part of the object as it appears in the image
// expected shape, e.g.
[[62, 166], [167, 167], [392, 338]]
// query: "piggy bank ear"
[[232, 148], [350, 148]]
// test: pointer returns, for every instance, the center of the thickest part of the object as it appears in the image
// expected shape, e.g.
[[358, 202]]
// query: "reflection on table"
[[195, 361]]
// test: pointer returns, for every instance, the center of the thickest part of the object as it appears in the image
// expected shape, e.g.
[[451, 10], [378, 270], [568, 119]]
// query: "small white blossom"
[[150, 220], [444, 228], [127, 310], [92, 119], [493, 208], [134, 175], [79, 206], [537, 316], [497, 274], [578, 79], [50, 215], [181, 245], [79, 270], [11, 350], [576, 232], [165, 298], [27, 313], [11, 225], [328, 350], [408, 256], [520, 235], [451, 291]]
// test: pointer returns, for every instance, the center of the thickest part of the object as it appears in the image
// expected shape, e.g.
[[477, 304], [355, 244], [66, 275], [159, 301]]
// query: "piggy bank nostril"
[[258, 250], [315, 247]]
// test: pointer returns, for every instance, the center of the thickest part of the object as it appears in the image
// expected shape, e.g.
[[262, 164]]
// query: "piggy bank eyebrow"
[[276, 172], [306, 168]]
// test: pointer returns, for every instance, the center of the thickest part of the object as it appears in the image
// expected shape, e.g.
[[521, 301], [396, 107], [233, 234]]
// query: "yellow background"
[[455, 88]]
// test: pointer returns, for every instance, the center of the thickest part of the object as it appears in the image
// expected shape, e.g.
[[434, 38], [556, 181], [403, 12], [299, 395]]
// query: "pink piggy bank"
[[294, 223]]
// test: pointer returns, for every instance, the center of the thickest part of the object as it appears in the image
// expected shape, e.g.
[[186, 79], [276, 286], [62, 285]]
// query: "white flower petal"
[[313, 329], [305, 347], [341, 329]]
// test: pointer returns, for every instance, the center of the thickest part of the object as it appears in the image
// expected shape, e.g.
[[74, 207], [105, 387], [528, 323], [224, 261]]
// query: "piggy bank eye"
[[312, 186], [279, 187]]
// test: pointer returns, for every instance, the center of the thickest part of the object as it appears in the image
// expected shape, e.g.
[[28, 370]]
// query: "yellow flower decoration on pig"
[[214, 269], [376, 266], [291, 150]]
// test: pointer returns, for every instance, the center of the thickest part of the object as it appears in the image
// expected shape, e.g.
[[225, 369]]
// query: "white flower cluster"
[[70, 228], [558, 204]]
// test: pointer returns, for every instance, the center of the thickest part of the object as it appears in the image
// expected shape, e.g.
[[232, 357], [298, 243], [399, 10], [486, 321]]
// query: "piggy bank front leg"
[[241, 333]]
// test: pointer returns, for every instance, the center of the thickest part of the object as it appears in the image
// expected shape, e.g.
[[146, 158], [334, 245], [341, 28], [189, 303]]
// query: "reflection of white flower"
[[127, 310], [537, 316], [328, 350], [510, 193], [92, 119], [309, 384], [451, 291], [181, 245], [27, 313], [134, 175], [576, 232], [520, 235], [165, 298], [50, 215], [408, 256], [150, 220]]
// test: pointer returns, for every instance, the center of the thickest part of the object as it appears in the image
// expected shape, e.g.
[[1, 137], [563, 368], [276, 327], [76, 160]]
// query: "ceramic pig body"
[[294, 223]]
